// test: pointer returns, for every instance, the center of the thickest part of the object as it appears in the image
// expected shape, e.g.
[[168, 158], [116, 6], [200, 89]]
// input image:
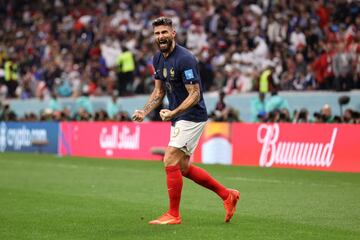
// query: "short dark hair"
[[162, 21]]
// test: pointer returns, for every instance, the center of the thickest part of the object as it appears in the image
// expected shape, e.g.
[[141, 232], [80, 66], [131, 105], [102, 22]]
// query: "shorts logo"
[[189, 74], [176, 132]]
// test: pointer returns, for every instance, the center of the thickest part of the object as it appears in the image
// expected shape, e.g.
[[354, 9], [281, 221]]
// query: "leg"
[[337, 84], [174, 184], [173, 178], [184, 139], [177, 163], [12, 85], [203, 178], [192, 134], [121, 84]]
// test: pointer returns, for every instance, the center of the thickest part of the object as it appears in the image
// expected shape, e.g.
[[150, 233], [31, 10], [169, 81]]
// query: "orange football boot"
[[230, 203], [165, 219]]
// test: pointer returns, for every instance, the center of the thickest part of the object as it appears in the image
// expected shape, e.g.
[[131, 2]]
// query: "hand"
[[138, 115], [166, 114]]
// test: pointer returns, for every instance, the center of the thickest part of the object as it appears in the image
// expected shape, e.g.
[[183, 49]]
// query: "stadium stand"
[[72, 49]]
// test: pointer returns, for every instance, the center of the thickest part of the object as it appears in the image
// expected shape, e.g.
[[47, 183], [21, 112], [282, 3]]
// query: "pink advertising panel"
[[329, 147], [124, 140]]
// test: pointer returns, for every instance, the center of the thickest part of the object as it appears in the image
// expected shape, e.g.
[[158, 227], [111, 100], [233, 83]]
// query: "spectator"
[[233, 80], [196, 38], [322, 67], [258, 108], [206, 71], [112, 107], [342, 66], [297, 40], [7, 114], [301, 116], [326, 113], [125, 71], [62, 45], [266, 82], [318, 117], [122, 117], [348, 116], [82, 115], [101, 116], [11, 76], [54, 104], [84, 105], [276, 102], [222, 112]]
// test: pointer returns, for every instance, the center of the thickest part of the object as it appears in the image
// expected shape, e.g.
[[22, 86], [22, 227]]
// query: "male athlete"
[[177, 74]]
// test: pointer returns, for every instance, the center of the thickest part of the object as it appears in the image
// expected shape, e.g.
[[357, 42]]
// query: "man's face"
[[164, 37]]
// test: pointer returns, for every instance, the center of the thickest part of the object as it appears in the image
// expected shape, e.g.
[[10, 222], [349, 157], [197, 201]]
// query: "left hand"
[[166, 114]]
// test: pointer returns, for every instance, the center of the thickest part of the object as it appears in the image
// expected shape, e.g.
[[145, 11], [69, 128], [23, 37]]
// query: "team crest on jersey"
[[172, 74], [164, 72]]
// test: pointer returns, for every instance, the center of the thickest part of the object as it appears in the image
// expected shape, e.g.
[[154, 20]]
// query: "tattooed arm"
[[155, 98], [154, 101], [192, 99]]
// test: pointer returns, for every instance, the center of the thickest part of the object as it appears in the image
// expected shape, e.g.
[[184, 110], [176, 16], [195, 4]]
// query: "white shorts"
[[185, 135]]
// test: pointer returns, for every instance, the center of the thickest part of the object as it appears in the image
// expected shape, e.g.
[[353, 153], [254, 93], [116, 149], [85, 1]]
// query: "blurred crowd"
[[271, 109], [83, 110], [275, 109], [73, 48], [101, 47]]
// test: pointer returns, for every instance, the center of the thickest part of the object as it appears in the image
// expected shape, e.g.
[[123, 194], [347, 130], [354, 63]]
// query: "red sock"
[[203, 178], [174, 183]]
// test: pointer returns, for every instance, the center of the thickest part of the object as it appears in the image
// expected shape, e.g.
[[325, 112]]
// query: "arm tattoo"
[[195, 96], [151, 104], [156, 97]]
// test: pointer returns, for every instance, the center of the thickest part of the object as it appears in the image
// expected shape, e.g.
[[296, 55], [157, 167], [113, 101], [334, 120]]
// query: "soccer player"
[[177, 75]]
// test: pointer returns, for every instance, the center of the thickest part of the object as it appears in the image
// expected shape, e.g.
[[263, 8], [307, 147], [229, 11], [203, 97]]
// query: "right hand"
[[138, 115]]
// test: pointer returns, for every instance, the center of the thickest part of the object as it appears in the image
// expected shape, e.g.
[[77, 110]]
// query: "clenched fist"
[[138, 115], [166, 114]]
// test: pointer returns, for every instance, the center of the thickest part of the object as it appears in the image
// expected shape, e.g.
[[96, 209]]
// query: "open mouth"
[[163, 43]]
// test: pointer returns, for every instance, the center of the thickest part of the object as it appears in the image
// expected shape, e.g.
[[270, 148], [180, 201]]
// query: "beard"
[[164, 45]]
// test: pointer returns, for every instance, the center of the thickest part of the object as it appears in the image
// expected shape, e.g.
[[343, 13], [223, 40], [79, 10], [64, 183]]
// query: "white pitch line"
[[276, 181]]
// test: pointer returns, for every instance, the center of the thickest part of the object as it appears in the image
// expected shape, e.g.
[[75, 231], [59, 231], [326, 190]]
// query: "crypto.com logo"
[[3, 130]]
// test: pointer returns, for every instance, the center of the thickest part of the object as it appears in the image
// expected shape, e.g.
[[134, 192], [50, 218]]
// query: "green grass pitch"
[[49, 197]]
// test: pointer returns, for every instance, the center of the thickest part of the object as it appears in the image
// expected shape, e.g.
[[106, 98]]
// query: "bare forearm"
[[154, 101], [191, 100]]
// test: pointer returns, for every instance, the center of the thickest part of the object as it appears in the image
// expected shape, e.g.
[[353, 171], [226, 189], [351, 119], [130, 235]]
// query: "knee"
[[183, 164], [172, 156], [169, 162]]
